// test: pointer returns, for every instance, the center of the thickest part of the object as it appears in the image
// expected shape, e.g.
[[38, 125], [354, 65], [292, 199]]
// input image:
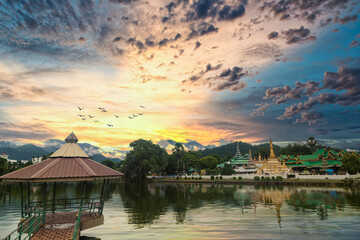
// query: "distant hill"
[[230, 149], [100, 158], [191, 145], [25, 152]]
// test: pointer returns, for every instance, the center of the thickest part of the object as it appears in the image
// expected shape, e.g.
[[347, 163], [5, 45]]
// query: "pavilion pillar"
[[28, 199], [21, 201], [54, 196], [106, 186], [44, 205], [82, 196]]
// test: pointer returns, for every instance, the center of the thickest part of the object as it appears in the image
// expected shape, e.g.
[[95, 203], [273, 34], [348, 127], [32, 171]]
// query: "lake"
[[205, 211]]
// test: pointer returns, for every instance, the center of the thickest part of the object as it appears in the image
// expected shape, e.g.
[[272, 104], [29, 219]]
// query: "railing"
[[77, 225], [28, 227], [91, 205]]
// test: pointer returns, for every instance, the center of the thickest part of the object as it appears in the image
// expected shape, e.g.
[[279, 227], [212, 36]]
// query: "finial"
[[71, 138]]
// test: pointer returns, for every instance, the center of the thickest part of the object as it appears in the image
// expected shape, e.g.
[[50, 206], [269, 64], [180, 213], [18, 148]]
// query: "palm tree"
[[178, 151], [311, 142]]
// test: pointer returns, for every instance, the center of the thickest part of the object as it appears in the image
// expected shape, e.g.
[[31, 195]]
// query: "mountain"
[[190, 145], [25, 152], [100, 158]]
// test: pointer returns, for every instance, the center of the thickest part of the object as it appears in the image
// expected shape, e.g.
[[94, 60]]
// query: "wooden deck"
[[60, 226]]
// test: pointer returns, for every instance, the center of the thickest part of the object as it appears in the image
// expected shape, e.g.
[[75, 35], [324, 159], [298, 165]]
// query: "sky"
[[205, 71]]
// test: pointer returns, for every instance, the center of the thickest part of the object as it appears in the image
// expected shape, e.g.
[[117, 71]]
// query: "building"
[[272, 165], [36, 159], [241, 163], [323, 161], [6, 156]]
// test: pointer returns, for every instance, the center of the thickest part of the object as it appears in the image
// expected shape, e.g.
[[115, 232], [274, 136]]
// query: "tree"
[[178, 152], [4, 166], [312, 143], [109, 163], [209, 162], [351, 164], [227, 170], [146, 157], [295, 149]]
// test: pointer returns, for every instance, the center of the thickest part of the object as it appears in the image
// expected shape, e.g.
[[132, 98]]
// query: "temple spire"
[[272, 154], [237, 154]]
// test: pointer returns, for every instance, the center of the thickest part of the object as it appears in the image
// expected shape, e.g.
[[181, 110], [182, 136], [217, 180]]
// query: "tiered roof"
[[321, 158]]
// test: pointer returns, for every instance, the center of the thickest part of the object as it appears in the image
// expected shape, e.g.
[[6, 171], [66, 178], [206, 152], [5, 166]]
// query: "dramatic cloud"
[[345, 81], [298, 35], [310, 117], [346, 19], [262, 107], [273, 35]]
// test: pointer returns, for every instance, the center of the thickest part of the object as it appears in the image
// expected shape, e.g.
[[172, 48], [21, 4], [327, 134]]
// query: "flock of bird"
[[84, 117]]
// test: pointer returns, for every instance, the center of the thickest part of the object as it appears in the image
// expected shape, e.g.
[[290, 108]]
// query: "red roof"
[[63, 169]]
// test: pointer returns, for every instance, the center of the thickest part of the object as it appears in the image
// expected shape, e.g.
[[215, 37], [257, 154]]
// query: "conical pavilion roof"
[[68, 163]]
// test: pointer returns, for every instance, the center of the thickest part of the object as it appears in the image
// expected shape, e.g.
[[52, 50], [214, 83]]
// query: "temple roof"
[[69, 163]]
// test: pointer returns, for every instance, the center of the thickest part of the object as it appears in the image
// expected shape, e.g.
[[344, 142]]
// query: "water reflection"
[[145, 205]]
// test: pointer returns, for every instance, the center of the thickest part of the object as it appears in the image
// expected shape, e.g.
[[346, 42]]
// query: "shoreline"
[[285, 182]]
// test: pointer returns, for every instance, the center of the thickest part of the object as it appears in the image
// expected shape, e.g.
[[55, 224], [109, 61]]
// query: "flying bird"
[[83, 119], [134, 115], [140, 114], [103, 110], [142, 106], [130, 117], [91, 116], [96, 121], [109, 125], [116, 116], [80, 115], [80, 108]]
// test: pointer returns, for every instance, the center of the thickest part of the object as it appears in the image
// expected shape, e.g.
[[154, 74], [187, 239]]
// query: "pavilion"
[[56, 218]]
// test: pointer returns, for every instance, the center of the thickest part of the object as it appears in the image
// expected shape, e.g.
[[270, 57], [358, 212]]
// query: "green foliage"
[[212, 171], [4, 166], [185, 178], [200, 178], [217, 177], [192, 178], [145, 158], [351, 164], [239, 178], [311, 142], [212, 177], [227, 170], [109, 163], [279, 178], [208, 162], [272, 178], [234, 178], [221, 177], [256, 178], [295, 149], [267, 179]]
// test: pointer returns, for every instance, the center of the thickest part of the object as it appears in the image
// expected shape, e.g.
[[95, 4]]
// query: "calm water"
[[194, 211]]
